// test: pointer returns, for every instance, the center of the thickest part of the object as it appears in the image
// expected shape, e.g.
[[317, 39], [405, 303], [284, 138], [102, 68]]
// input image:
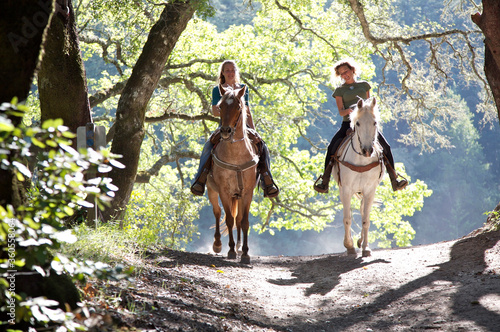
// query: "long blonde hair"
[[221, 79]]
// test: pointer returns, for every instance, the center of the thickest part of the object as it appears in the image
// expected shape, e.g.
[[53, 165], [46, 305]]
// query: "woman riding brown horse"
[[229, 77], [233, 175]]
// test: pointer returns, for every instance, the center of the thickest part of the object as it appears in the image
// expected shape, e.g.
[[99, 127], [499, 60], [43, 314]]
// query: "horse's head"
[[232, 111], [364, 121]]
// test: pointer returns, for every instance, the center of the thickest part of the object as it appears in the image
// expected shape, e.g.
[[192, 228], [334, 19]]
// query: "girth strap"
[[360, 169]]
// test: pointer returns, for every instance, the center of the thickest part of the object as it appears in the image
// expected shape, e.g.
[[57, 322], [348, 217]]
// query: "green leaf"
[[20, 177], [51, 143], [38, 143], [6, 125], [52, 124]]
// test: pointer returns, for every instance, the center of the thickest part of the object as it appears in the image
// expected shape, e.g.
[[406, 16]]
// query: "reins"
[[352, 145]]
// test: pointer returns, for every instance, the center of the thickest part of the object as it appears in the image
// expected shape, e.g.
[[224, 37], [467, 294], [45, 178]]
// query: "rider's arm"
[[340, 106], [250, 118], [216, 97]]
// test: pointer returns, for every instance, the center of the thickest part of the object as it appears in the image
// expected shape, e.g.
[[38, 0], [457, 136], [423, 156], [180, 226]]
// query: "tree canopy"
[[286, 53]]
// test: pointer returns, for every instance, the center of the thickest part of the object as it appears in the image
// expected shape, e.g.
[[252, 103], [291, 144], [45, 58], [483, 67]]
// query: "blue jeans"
[[205, 154]]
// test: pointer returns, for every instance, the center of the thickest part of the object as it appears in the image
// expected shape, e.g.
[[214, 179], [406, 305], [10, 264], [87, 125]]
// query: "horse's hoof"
[[351, 252], [217, 249], [367, 253], [245, 259], [231, 255]]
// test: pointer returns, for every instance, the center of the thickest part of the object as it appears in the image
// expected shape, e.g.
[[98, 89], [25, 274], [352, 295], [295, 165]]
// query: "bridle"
[[233, 128], [359, 141]]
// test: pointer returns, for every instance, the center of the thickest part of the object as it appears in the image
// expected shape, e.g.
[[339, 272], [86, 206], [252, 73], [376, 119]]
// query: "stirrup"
[[399, 184], [198, 189], [271, 191], [320, 187]]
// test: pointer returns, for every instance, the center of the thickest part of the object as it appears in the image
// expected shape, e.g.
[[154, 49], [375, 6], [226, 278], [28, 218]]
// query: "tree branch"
[[302, 27], [145, 176], [105, 44], [103, 95]]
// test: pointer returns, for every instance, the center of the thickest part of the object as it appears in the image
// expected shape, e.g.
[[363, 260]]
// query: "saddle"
[[254, 137], [343, 145]]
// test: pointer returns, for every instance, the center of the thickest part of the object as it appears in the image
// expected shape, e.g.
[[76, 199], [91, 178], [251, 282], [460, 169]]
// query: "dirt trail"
[[447, 286]]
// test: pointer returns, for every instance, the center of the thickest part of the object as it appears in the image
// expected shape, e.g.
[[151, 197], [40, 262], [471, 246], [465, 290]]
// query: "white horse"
[[359, 169]]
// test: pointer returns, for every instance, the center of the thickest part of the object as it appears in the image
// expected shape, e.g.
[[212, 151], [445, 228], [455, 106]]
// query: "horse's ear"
[[360, 103], [241, 92], [222, 90], [374, 102]]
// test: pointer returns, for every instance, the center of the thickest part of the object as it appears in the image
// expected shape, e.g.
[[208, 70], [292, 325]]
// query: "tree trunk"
[[62, 84], [492, 71], [22, 23], [131, 110], [22, 26], [489, 23]]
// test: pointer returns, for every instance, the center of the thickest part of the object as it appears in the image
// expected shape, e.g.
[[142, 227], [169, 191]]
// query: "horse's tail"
[[234, 208], [223, 226], [234, 212]]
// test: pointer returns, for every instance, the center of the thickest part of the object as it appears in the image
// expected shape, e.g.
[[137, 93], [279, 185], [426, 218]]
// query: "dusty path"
[[448, 286]]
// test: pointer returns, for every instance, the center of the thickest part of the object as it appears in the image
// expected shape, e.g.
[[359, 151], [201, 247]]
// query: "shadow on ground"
[[467, 256], [323, 273]]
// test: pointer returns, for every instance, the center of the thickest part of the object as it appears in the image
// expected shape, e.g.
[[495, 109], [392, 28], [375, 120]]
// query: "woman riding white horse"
[[359, 168], [346, 96]]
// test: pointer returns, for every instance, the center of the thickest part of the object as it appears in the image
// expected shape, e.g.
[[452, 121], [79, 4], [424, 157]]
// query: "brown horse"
[[234, 172]]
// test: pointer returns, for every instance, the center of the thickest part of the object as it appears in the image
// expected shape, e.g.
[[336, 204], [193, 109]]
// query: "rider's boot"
[[266, 180], [396, 184], [321, 184], [270, 188], [198, 186]]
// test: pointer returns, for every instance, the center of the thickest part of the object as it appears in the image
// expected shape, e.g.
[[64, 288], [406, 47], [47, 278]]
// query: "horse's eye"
[[357, 123], [375, 124]]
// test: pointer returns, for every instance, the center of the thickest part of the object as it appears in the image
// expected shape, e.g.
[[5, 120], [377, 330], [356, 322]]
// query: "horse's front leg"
[[214, 200], [366, 206], [245, 225], [229, 209], [345, 198]]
